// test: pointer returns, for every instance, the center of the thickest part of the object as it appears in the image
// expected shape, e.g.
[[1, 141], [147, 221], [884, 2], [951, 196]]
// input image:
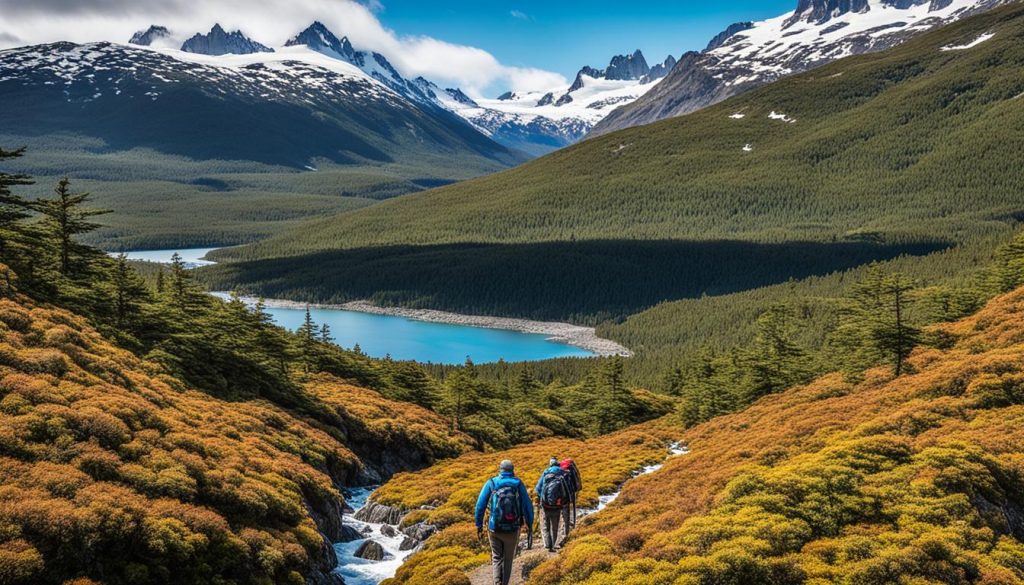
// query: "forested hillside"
[[913, 143], [875, 479]]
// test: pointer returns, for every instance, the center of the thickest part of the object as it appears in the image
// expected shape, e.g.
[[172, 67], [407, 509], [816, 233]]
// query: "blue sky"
[[562, 36]]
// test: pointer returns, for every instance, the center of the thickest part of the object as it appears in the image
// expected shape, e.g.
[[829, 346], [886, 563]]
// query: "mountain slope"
[[114, 469], [285, 108], [749, 55], [914, 479], [819, 156]]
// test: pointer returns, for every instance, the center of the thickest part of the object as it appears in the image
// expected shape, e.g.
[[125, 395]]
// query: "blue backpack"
[[506, 509]]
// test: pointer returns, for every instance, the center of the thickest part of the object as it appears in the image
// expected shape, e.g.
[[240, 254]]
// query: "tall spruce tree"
[[307, 334], [65, 217], [128, 293]]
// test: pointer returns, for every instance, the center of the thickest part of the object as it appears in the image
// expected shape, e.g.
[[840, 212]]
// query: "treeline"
[[584, 282]]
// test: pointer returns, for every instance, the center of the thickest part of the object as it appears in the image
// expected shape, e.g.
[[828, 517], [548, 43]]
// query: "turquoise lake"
[[440, 343], [401, 338]]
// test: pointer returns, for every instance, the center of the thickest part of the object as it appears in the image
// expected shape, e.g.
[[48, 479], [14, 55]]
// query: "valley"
[[279, 294]]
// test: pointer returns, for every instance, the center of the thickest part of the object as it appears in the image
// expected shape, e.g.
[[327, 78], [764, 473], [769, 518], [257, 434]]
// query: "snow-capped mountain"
[[748, 55], [538, 122], [220, 42], [318, 38], [286, 107]]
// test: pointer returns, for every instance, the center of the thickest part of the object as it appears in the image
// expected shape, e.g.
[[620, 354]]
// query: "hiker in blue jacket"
[[509, 503], [553, 497]]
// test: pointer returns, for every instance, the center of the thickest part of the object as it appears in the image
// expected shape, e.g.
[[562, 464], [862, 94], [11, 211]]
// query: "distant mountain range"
[[227, 97], [345, 103], [533, 122], [540, 121], [750, 54]]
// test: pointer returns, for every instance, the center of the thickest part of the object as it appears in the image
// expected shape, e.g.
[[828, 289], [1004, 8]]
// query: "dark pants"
[[551, 520], [503, 552]]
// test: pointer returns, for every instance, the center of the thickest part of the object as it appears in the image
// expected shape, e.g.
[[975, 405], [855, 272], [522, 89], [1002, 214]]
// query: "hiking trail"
[[527, 560]]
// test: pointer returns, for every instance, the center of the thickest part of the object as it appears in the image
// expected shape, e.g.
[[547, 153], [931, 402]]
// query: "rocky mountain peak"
[[220, 42], [627, 67], [660, 70], [723, 36], [319, 38], [152, 34], [459, 96]]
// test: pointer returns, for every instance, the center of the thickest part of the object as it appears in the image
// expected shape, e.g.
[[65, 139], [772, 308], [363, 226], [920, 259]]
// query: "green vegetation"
[[585, 282], [165, 201], [910, 144], [912, 155], [908, 479]]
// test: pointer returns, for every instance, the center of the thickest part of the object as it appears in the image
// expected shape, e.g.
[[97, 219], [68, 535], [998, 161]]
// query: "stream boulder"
[[375, 513], [371, 551], [420, 531]]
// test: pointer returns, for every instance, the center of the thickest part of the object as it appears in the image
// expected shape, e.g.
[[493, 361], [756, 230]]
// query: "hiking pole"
[[529, 535]]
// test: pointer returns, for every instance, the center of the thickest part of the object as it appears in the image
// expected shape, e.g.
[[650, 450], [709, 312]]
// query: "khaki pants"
[[551, 520], [503, 552]]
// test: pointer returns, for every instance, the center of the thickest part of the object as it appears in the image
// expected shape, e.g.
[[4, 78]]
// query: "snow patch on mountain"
[[748, 55], [974, 43]]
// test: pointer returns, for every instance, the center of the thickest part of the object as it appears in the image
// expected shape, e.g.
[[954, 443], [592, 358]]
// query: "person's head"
[[506, 467], [553, 462]]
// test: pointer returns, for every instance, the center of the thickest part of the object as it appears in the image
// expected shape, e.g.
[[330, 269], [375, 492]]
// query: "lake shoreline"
[[566, 333]]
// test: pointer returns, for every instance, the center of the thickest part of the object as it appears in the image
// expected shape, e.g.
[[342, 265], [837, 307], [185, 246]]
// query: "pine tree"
[[613, 398], [325, 334], [307, 333], [462, 392], [875, 324], [128, 293], [65, 218], [183, 293], [160, 286]]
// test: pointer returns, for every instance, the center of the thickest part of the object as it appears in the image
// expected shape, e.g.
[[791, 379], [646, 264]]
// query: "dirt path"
[[524, 564]]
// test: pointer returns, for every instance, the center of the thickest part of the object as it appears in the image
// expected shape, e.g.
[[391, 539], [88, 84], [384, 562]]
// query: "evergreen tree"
[[307, 334], [462, 393], [184, 294], [613, 398], [325, 334], [774, 362], [128, 294], [160, 286], [875, 324], [65, 218]]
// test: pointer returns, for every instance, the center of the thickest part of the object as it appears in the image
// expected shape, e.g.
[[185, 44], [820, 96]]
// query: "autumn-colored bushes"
[[917, 479], [113, 471]]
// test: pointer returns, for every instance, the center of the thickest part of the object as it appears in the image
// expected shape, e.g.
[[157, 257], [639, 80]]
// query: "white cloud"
[[520, 15], [270, 22]]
